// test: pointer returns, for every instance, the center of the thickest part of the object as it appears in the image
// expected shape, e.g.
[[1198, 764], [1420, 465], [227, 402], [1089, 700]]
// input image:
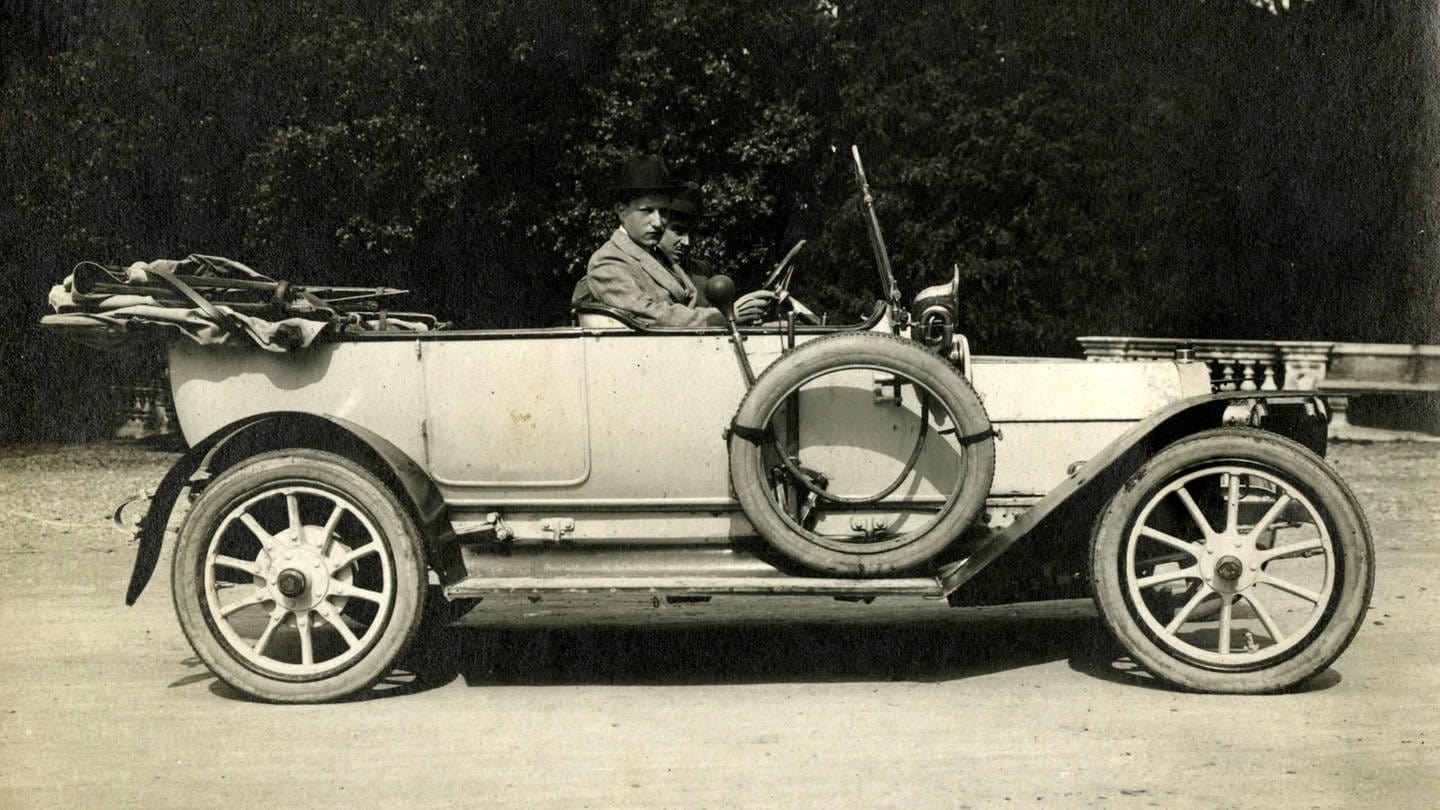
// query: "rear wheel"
[[1235, 561], [298, 577]]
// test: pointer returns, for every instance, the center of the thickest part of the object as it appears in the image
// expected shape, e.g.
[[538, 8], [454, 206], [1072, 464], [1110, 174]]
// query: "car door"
[[506, 414], [658, 405]]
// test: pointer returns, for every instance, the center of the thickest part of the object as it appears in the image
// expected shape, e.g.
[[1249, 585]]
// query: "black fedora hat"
[[687, 201], [643, 173]]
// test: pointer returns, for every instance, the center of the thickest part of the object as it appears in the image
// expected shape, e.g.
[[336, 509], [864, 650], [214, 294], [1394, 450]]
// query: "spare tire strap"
[[756, 436], [976, 438]]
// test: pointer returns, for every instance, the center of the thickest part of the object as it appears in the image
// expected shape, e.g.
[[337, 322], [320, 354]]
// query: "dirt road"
[[899, 704]]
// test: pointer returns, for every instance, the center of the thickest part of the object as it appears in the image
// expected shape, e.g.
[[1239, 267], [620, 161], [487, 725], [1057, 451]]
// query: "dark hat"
[[643, 173], [687, 201]]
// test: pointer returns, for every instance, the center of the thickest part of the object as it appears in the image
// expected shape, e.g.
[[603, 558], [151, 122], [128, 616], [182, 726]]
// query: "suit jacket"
[[624, 275], [699, 273]]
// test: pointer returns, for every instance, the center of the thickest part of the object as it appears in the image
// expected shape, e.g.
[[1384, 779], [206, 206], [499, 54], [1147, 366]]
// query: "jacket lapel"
[[652, 266]]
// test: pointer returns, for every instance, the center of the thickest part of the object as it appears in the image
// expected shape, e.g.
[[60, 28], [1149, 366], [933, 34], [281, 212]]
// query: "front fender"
[[257, 434], [1301, 416]]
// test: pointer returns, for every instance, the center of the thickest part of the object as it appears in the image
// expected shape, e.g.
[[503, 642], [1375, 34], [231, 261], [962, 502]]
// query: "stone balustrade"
[[1235, 365], [1337, 370], [143, 409]]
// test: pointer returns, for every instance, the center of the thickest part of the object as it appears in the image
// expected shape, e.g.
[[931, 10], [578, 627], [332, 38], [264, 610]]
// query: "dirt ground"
[[740, 702]]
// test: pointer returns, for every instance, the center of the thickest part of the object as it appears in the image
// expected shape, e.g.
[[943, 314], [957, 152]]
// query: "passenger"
[[629, 272], [687, 206], [687, 209]]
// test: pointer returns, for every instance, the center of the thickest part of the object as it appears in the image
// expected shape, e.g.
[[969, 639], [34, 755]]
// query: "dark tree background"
[[1155, 167]]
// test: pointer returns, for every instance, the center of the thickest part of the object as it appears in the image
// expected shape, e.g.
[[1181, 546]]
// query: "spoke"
[[1275, 510], [329, 533], [1194, 510], [1293, 548], [338, 588], [1232, 502], [307, 645], [248, 566], [1169, 540], [1264, 615], [1289, 587], [333, 618], [255, 597], [1193, 572], [259, 531], [364, 551], [292, 506], [1205, 590], [1225, 617], [277, 616]]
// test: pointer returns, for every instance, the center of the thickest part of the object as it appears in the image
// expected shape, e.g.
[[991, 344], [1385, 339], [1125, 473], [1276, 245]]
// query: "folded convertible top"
[[213, 300]]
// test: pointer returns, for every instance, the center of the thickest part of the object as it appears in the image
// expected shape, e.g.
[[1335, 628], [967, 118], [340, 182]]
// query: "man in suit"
[[687, 206], [630, 272]]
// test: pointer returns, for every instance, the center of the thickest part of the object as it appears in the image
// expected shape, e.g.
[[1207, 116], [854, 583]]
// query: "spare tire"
[[968, 453]]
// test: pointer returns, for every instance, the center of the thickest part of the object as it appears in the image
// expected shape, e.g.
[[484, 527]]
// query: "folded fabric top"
[[212, 300]]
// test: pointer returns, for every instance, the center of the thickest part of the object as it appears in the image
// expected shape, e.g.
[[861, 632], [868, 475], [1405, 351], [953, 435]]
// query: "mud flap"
[[150, 533]]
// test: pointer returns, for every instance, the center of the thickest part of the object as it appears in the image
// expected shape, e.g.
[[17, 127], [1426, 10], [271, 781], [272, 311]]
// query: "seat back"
[[598, 320], [590, 315]]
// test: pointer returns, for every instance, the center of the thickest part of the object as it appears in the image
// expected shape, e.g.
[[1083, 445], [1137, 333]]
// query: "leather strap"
[[753, 435], [186, 290], [976, 438]]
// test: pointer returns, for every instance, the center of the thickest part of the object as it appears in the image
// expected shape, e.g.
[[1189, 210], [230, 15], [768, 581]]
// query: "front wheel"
[[298, 578], [1234, 561]]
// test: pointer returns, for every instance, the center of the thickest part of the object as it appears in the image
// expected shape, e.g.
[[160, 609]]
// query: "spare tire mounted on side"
[[945, 397]]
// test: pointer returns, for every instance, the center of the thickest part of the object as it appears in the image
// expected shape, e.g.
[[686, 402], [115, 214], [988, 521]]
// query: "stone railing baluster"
[[1235, 365], [1336, 370]]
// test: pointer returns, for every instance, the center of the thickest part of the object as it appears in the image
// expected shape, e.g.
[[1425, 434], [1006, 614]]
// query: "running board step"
[[796, 586]]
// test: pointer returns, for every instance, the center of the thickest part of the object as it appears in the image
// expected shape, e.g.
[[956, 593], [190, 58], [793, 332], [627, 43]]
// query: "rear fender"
[[276, 431], [1299, 416]]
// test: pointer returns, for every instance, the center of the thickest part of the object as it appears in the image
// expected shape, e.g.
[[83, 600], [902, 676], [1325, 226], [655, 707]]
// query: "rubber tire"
[[1300, 468], [901, 357], [325, 471]]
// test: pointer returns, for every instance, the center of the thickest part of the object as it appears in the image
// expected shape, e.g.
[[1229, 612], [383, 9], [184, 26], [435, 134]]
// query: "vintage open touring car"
[[379, 463]]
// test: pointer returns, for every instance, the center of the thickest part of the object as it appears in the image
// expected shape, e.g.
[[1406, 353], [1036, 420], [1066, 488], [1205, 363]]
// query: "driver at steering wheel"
[[631, 272], [687, 206]]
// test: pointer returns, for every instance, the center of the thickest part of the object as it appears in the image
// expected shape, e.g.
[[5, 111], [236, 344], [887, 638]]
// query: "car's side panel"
[[506, 414], [1055, 413], [656, 409], [577, 434], [377, 385]]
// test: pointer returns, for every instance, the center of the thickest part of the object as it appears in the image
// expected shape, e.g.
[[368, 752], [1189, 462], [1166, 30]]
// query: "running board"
[[696, 585]]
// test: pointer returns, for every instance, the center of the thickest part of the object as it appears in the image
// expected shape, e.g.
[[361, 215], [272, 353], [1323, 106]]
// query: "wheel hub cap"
[[1230, 563], [291, 583], [1229, 568], [298, 575]]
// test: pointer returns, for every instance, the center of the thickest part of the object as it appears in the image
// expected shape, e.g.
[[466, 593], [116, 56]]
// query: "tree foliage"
[[1168, 167]]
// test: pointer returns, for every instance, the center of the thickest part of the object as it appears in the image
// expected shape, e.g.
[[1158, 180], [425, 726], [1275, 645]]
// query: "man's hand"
[[752, 306]]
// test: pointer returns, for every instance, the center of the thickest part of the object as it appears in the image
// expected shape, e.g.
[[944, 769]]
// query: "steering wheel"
[[778, 282], [779, 279]]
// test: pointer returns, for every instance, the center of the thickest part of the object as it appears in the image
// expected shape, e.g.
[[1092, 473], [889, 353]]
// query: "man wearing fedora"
[[631, 273], [687, 206]]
